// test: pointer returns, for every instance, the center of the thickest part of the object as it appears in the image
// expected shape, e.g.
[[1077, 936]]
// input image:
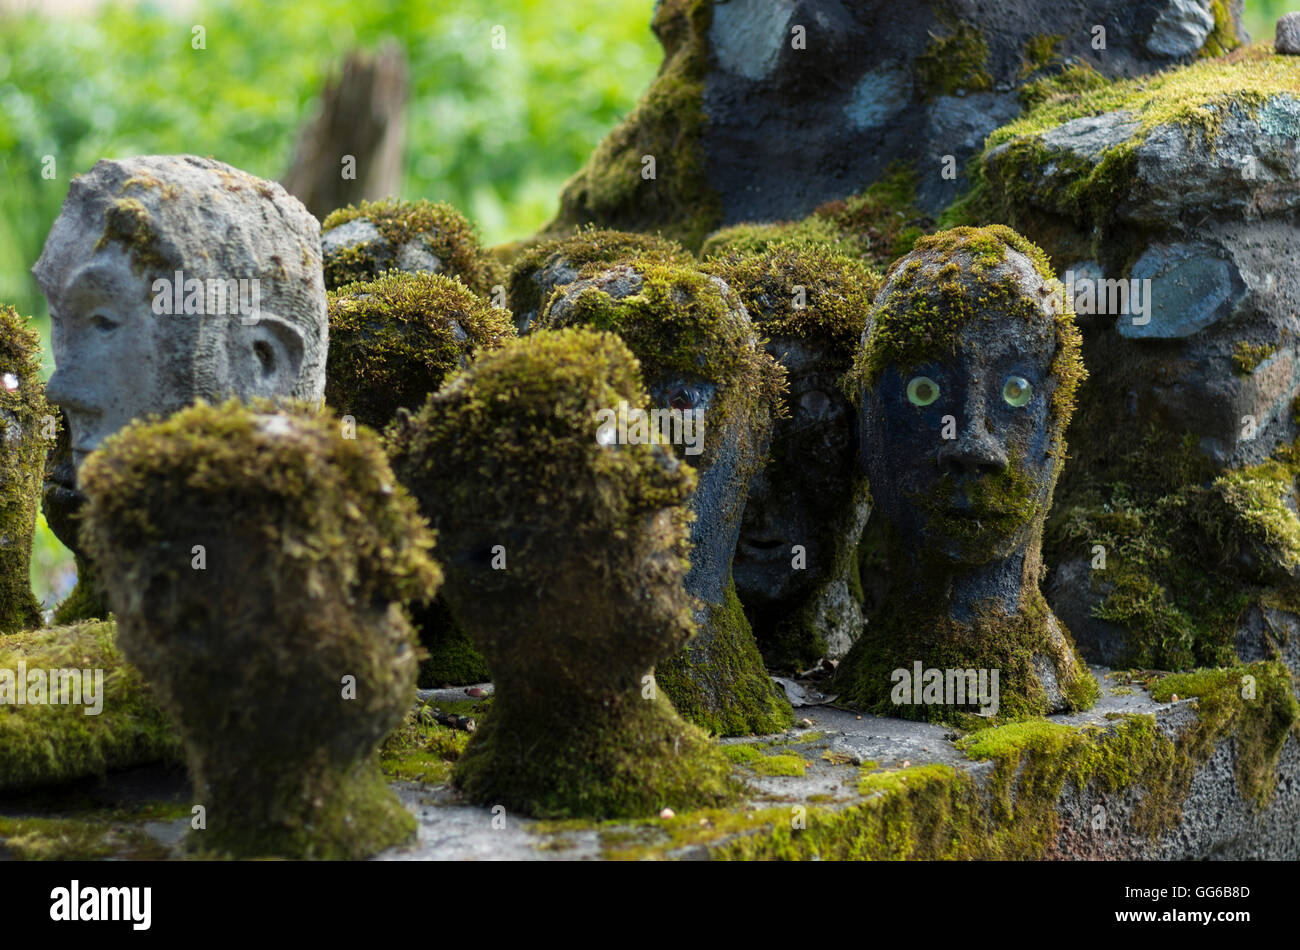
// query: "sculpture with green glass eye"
[[1017, 391], [922, 391]]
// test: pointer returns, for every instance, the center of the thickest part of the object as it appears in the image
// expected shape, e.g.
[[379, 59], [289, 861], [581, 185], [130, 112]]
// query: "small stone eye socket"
[[922, 391], [1017, 391], [683, 398]]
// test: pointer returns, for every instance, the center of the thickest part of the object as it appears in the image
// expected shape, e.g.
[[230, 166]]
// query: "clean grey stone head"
[[172, 278]]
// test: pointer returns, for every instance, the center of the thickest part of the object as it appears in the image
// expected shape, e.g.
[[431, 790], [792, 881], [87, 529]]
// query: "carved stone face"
[[961, 447], [797, 498], [973, 497], [138, 236]]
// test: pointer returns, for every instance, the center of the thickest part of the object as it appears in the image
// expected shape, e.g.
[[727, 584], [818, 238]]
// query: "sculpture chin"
[[62, 503]]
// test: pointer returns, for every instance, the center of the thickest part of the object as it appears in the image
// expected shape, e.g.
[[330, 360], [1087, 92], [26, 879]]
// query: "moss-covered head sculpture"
[[701, 360], [394, 339], [537, 272], [256, 560], [23, 415], [795, 565], [565, 556], [361, 242], [967, 374]]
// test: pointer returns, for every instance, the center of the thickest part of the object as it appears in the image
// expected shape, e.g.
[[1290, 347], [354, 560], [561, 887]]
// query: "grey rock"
[[1181, 28], [1287, 38], [1184, 288], [1074, 592], [791, 129]]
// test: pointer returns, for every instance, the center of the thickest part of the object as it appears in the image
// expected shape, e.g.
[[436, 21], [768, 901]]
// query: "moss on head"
[[256, 559], [681, 322], [952, 279], [808, 292], [395, 339], [288, 474], [566, 555], [757, 238], [545, 266], [444, 232], [508, 451], [23, 414]]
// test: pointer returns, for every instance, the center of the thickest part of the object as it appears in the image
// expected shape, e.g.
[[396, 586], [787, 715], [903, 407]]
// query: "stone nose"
[[974, 452]]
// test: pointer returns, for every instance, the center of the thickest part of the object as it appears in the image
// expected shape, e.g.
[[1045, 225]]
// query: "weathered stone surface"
[[1190, 288], [1287, 36], [766, 109], [1181, 28], [840, 747]]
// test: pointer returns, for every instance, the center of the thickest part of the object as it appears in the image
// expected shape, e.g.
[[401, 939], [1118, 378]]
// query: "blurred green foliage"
[[495, 132]]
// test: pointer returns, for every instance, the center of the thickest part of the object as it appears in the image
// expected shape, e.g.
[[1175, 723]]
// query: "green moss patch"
[[48, 744], [393, 341], [446, 232], [23, 411], [668, 124]]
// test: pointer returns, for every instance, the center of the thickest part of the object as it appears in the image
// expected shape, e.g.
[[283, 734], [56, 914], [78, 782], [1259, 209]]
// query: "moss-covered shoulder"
[[23, 412], [731, 667]]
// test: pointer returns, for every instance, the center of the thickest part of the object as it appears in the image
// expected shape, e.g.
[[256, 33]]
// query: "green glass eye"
[[922, 391], [1017, 391]]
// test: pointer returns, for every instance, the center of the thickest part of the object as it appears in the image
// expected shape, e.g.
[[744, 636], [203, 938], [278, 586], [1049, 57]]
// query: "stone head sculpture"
[[565, 556], [536, 274], [361, 242], [257, 560], [795, 564], [393, 340], [967, 374], [700, 359], [172, 278], [23, 416]]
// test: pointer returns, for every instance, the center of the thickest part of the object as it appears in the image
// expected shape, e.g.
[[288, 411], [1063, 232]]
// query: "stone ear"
[[267, 357]]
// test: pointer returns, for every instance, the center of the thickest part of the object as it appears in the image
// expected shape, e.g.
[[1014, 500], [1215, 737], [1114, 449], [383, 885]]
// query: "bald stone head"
[[172, 278]]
